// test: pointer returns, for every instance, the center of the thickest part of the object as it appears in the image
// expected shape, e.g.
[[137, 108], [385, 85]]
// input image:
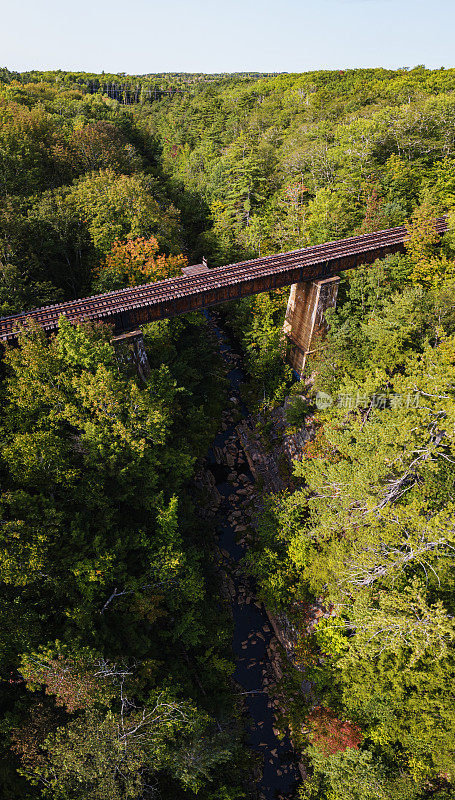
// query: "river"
[[253, 632]]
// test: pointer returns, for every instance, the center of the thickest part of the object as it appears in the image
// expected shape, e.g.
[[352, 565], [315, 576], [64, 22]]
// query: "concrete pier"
[[305, 322], [131, 354]]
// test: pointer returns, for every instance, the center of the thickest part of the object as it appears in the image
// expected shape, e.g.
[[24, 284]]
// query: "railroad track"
[[131, 306]]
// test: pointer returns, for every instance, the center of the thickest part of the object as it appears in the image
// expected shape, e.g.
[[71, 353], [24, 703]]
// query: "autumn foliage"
[[137, 261], [76, 681], [373, 214], [330, 734], [319, 447], [26, 740]]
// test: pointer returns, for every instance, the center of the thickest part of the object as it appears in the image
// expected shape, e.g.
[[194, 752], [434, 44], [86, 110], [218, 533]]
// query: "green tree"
[[123, 206]]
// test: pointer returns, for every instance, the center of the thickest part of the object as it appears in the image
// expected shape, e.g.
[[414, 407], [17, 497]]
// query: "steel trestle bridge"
[[128, 309]]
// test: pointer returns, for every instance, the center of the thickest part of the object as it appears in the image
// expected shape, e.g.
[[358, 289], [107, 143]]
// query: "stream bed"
[[253, 633]]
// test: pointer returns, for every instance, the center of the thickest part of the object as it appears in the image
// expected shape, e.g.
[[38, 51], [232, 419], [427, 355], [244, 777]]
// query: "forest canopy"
[[115, 656]]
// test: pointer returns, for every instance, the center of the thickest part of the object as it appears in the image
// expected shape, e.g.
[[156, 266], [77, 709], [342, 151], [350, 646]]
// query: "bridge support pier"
[[131, 354], [305, 322]]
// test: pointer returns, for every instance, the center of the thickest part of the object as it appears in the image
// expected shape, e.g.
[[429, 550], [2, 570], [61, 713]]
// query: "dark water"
[[252, 629]]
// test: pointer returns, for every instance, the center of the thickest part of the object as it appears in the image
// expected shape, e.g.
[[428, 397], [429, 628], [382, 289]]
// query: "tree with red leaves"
[[330, 734], [78, 679]]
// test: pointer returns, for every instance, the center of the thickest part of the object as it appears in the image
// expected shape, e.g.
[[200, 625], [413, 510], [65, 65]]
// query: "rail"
[[127, 308]]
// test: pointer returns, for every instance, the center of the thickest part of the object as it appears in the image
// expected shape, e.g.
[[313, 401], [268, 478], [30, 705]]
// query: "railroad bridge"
[[312, 273]]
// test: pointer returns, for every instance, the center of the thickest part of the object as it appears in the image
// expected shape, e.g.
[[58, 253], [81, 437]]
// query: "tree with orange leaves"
[[136, 261]]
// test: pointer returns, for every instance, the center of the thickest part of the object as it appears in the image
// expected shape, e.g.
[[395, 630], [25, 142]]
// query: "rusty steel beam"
[[126, 309]]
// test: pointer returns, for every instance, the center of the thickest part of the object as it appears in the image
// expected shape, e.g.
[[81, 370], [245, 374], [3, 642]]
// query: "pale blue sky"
[[138, 36]]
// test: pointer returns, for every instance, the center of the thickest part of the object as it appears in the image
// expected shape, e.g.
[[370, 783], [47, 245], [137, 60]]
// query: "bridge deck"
[[127, 309]]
